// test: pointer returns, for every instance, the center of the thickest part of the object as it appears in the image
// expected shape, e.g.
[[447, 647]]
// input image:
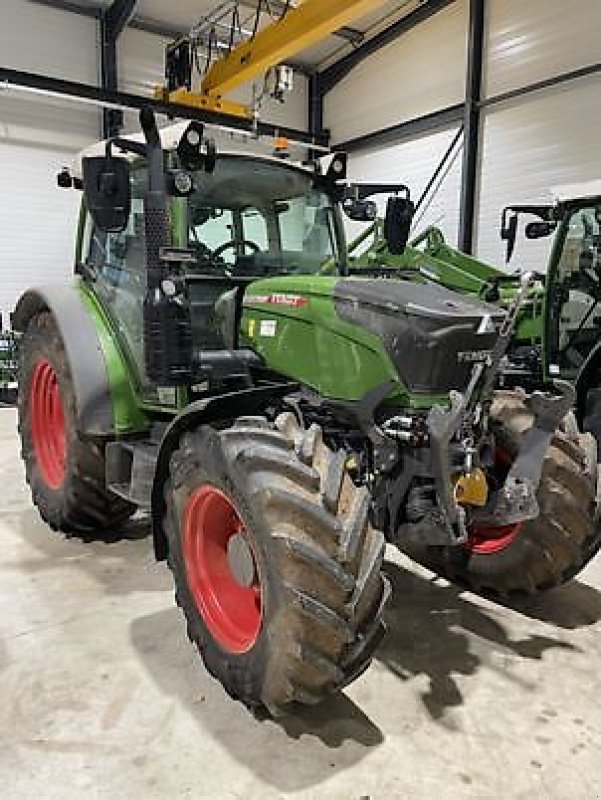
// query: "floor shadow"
[[330, 738], [429, 627], [574, 605], [121, 560]]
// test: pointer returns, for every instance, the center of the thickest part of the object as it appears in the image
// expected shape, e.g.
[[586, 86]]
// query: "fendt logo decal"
[[288, 300], [473, 356]]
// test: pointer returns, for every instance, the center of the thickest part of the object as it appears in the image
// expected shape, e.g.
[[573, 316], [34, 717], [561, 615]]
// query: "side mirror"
[[107, 192], [397, 224], [539, 230], [360, 210], [509, 231]]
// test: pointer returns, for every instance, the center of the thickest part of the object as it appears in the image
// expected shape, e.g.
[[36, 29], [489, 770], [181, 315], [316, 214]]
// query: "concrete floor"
[[102, 696]]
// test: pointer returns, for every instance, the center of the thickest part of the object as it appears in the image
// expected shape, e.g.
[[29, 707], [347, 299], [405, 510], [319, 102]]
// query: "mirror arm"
[[361, 191], [125, 146]]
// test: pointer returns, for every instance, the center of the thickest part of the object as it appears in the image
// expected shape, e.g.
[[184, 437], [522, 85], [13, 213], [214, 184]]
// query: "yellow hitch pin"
[[471, 488]]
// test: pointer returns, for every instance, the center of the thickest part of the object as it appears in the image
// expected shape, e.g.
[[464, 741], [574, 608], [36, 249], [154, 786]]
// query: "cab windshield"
[[255, 218]]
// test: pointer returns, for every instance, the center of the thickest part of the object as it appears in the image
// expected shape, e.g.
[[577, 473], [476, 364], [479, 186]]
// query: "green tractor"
[[215, 365]]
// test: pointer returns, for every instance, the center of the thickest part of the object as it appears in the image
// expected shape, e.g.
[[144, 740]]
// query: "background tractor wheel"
[[64, 470], [542, 553], [276, 567]]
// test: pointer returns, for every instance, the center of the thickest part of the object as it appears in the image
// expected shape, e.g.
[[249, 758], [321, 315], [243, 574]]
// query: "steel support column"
[[315, 117], [469, 179], [112, 23]]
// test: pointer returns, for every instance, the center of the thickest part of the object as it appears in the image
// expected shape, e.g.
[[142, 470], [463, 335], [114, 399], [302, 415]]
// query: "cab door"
[[574, 301], [117, 265]]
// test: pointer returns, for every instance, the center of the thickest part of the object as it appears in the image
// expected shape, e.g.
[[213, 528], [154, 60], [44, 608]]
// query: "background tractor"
[[215, 364], [558, 331]]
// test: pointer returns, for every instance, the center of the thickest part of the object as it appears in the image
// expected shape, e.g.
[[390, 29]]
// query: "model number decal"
[[289, 300]]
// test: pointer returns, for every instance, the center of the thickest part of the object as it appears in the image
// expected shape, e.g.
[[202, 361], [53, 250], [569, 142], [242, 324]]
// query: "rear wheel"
[[65, 471], [544, 552], [276, 567]]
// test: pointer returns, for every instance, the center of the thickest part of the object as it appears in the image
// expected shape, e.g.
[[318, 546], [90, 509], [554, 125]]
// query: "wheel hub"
[[221, 569], [241, 562], [47, 421]]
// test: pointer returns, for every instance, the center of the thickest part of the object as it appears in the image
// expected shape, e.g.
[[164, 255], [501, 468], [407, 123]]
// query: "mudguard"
[[84, 352], [203, 412]]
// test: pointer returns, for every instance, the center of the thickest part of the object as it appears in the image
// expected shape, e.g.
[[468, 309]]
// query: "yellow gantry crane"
[[302, 26]]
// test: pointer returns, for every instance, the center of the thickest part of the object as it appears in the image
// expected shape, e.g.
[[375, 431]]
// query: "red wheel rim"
[[48, 431], [489, 539], [231, 610]]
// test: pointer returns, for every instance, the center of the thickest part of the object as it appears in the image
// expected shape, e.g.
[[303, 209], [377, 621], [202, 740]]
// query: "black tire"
[[80, 503], [550, 549], [318, 559]]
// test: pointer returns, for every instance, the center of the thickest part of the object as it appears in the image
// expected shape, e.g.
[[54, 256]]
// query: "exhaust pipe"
[[167, 323]]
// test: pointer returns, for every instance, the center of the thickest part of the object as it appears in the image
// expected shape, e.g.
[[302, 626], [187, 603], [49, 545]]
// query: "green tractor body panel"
[[346, 337], [291, 322], [128, 415]]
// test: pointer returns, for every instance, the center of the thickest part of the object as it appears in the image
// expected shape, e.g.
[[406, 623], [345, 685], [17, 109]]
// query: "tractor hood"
[[348, 336], [433, 335]]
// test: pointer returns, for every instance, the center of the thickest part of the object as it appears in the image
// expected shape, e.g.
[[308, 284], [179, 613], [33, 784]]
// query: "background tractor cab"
[[572, 319]]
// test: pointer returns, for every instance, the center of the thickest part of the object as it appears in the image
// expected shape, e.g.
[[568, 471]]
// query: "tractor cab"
[[227, 220], [245, 218], [251, 218], [574, 301], [573, 280]]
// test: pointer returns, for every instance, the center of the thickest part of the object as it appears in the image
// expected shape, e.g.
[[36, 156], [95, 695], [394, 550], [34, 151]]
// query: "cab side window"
[[119, 263]]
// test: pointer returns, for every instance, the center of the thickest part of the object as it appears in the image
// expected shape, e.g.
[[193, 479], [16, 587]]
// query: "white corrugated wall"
[[37, 137], [541, 140], [413, 163], [528, 145], [421, 72]]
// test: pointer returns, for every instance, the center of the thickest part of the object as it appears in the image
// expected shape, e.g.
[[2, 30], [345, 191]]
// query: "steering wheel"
[[234, 245]]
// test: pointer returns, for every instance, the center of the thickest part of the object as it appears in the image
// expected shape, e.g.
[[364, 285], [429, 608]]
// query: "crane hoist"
[[302, 25]]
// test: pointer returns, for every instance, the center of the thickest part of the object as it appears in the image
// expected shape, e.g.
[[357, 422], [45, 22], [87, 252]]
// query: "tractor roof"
[[577, 191], [170, 136]]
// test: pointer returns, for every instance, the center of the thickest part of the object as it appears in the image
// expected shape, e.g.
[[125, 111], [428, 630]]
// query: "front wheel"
[[541, 553], [275, 565], [65, 470]]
